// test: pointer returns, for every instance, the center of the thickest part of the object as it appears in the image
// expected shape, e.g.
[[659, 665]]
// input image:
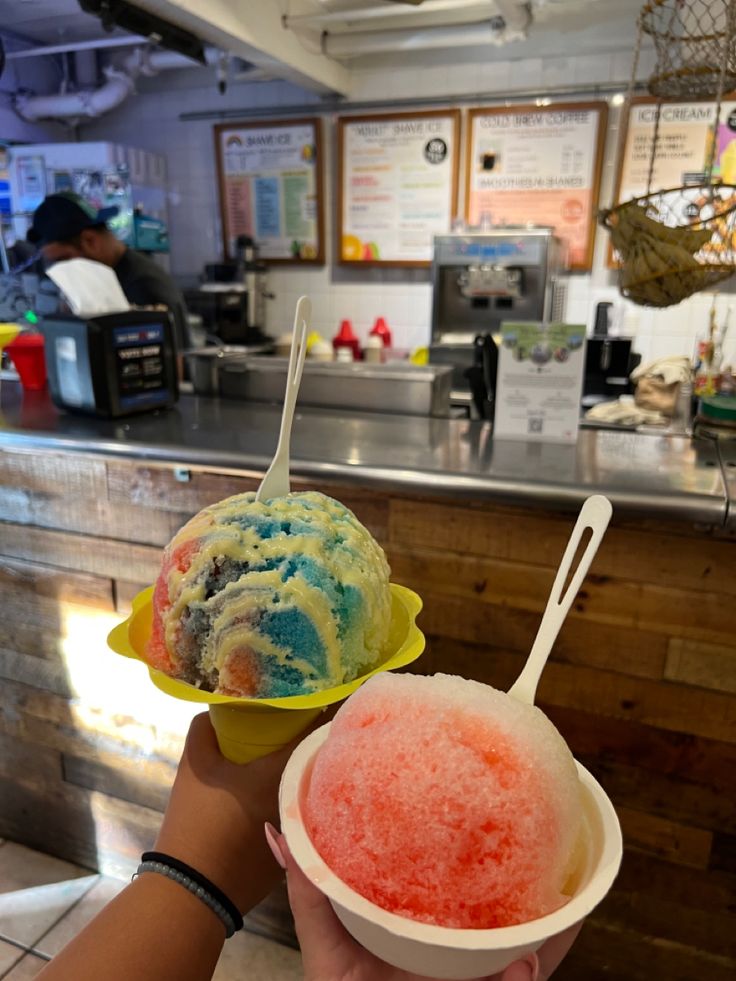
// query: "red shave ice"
[[179, 558], [446, 801]]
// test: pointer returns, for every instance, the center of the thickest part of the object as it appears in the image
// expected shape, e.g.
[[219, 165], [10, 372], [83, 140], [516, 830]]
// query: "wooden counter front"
[[642, 683]]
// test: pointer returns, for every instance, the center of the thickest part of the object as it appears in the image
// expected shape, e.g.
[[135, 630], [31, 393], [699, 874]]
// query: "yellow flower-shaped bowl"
[[247, 728]]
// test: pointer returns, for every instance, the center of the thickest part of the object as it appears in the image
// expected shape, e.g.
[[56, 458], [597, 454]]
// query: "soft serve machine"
[[480, 279]]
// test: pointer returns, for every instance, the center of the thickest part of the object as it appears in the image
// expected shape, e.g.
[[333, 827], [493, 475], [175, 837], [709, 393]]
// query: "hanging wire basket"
[[694, 47], [674, 242]]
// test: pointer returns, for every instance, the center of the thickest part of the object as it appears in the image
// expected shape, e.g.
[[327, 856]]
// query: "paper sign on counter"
[[539, 382]]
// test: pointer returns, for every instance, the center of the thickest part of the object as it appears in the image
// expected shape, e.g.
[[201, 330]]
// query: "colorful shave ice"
[[270, 600], [446, 801]]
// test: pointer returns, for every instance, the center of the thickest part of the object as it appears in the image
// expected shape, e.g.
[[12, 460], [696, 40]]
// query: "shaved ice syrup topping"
[[445, 801]]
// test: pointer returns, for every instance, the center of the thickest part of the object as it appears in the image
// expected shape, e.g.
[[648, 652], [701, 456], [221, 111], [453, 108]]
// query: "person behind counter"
[[65, 226]]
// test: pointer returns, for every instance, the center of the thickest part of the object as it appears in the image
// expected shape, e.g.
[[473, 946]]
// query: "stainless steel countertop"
[[654, 475]]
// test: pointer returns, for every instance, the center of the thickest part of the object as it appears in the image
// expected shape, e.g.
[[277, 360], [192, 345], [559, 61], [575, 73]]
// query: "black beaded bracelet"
[[214, 898]]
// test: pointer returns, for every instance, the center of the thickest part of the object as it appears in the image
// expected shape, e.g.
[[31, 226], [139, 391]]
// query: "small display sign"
[[540, 381]]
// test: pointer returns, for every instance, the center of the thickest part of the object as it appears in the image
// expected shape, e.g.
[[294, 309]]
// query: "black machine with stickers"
[[113, 365]]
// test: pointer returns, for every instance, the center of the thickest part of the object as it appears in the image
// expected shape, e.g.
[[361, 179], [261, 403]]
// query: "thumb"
[[327, 949], [523, 970]]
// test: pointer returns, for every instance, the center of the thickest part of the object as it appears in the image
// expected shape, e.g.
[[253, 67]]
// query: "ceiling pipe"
[[492, 31], [485, 8], [53, 49], [88, 103], [119, 84]]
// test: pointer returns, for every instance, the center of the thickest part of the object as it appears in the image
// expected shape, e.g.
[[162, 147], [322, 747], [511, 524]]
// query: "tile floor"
[[44, 902]]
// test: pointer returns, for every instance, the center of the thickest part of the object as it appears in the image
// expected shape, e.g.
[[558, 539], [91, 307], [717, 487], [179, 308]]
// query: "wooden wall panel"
[[642, 681], [694, 662], [67, 475], [619, 602], [85, 553], [638, 555]]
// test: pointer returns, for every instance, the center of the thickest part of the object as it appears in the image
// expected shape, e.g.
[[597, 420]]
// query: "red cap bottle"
[[345, 337], [382, 330]]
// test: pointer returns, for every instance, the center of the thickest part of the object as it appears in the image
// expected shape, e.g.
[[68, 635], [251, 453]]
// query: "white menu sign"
[[540, 165], [398, 179], [539, 382]]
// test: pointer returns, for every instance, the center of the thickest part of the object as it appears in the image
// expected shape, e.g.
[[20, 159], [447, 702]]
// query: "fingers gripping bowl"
[[452, 843]]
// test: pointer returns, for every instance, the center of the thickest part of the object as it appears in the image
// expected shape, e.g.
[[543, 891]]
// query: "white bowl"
[[441, 952]]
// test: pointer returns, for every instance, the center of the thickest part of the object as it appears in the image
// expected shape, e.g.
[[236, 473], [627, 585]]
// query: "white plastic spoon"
[[595, 514], [276, 481]]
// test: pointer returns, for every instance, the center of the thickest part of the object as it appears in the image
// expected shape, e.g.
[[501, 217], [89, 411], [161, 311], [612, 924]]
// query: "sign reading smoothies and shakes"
[[538, 165], [270, 178], [398, 185]]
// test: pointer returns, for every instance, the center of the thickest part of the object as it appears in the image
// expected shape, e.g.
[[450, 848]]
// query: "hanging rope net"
[[690, 37], [674, 242]]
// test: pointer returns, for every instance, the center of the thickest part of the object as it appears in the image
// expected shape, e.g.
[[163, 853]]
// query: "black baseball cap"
[[60, 217]]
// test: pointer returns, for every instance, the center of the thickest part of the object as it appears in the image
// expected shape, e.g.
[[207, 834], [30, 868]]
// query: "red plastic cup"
[[27, 354]]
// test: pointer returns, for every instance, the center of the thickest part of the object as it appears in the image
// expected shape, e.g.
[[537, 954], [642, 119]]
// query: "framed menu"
[[683, 144], [398, 181], [270, 177], [538, 164], [685, 134]]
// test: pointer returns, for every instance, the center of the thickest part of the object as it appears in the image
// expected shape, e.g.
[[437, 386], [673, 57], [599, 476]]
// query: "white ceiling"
[[555, 21], [560, 27]]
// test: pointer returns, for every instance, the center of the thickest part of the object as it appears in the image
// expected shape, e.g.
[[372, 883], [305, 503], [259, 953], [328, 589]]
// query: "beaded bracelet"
[[197, 884]]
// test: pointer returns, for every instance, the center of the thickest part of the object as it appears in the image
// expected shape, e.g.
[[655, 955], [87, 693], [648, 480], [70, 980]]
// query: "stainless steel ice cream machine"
[[481, 279]]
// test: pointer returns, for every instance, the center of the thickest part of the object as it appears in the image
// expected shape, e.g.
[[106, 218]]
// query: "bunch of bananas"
[[658, 264]]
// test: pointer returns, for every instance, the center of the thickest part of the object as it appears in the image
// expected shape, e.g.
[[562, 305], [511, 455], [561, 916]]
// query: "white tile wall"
[[150, 120]]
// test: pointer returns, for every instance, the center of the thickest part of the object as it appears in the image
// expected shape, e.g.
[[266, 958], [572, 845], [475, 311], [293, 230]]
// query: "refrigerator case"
[[104, 174]]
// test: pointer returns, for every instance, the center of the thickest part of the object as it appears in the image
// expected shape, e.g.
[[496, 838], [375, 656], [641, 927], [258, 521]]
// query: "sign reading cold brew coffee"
[[538, 165]]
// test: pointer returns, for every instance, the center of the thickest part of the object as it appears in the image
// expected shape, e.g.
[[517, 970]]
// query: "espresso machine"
[[480, 279]]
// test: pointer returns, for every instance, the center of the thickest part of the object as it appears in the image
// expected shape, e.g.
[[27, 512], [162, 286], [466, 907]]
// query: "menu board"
[[397, 176], [683, 144], [539, 165], [270, 178], [539, 382]]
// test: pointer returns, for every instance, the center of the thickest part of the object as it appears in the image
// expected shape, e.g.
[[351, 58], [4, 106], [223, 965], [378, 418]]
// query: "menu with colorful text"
[[539, 166], [270, 188], [398, 183]]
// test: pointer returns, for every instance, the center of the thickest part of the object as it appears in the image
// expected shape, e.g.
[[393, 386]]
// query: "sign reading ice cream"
[[398, 185], [271, 188], [538, 165]]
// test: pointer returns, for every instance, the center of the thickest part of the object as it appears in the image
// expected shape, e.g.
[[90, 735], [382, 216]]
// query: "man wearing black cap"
[[65, 226]]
